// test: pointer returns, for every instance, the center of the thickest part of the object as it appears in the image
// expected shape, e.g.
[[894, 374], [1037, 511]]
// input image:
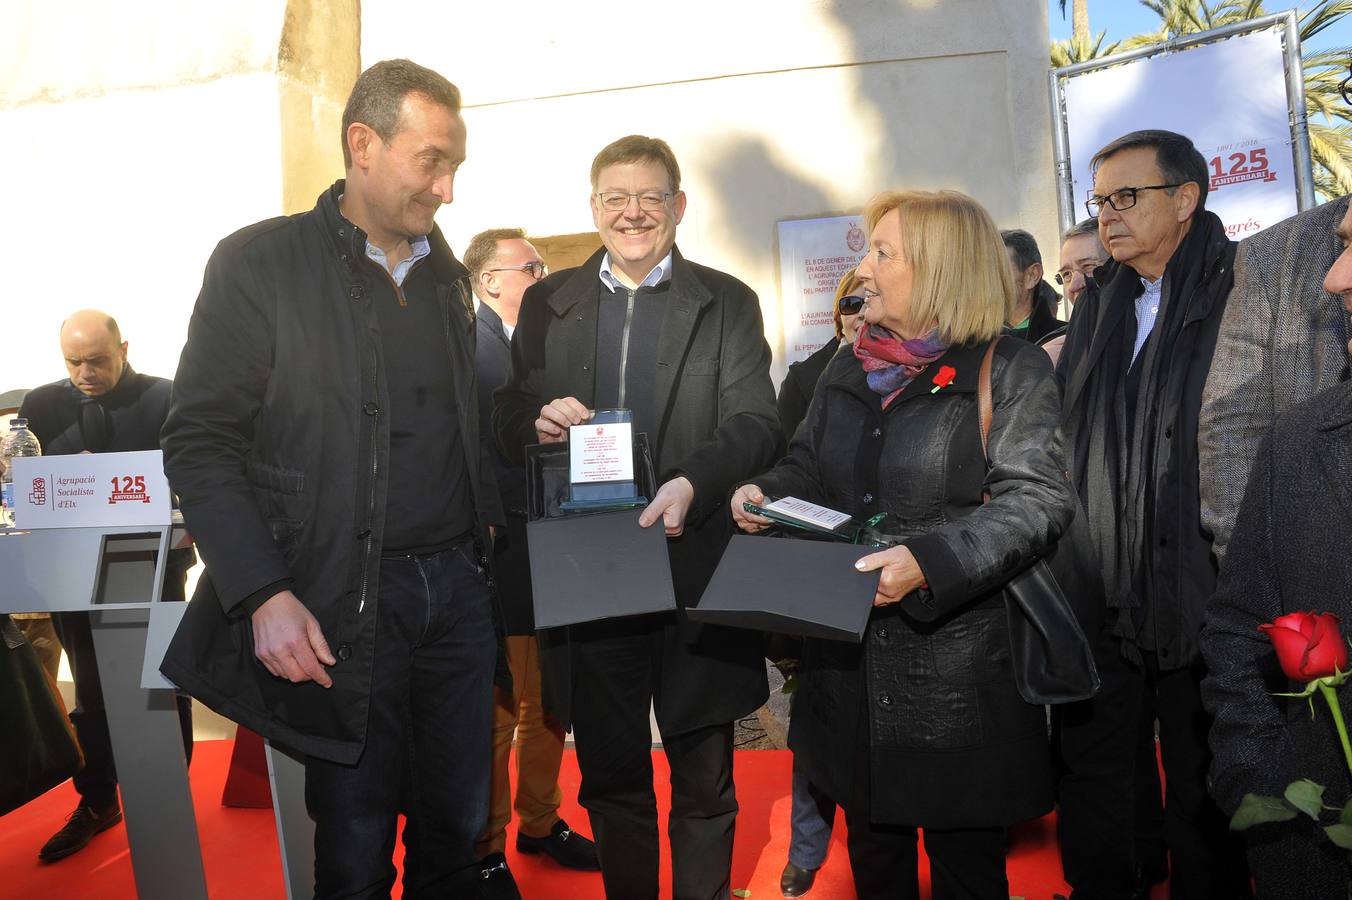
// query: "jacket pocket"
[[275, 479], [701, 367]]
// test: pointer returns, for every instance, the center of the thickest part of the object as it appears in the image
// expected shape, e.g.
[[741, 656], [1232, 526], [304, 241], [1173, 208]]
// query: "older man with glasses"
[[1081, 253], [682, 346], [1135, 361]]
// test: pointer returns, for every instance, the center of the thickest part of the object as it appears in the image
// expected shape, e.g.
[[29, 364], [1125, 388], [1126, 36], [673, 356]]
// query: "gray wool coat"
[[1283, 339]]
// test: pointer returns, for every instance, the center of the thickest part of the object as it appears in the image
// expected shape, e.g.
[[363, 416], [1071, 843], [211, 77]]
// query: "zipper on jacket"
[[624, 341]]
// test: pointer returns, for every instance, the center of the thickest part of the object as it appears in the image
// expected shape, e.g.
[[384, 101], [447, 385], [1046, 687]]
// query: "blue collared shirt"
[[418, 245], [660, 273], [1147, 309]]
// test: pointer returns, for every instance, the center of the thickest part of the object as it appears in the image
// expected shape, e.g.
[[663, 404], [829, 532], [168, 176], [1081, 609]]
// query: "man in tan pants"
[[502, 264]]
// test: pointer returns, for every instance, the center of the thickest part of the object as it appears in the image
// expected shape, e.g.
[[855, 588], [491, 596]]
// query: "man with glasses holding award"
[[1134, 363], [680, 348]]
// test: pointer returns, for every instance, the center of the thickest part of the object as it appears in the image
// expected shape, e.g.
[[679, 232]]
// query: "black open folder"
[[587, 566], [804, 588]]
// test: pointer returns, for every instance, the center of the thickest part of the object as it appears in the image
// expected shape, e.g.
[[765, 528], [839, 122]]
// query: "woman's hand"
[[900, 573], [749, 522]]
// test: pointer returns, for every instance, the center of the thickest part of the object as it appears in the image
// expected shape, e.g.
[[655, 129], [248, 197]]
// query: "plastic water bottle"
[[18, 442]]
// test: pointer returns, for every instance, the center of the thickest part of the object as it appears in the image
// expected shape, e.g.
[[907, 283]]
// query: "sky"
[[1123, 18]]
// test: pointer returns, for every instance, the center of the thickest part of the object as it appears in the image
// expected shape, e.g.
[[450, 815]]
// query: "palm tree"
[[1329, 116], [1079, 19], [1080, 49]]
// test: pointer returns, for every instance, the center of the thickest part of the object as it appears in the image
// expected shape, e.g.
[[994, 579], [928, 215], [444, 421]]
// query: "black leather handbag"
[[1053, 662], [37, 745]]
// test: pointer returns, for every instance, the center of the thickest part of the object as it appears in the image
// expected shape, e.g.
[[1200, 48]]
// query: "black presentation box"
[[586, 566], [787, 586]]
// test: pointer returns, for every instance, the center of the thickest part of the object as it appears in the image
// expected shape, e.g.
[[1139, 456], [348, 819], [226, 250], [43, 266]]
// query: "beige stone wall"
[[776, 109], [137, 135]]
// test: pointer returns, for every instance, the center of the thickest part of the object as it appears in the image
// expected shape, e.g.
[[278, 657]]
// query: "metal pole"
[[1300, 126], [1065, 199]]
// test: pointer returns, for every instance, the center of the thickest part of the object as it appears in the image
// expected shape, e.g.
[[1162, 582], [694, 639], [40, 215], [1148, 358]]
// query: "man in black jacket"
[[324, 441], [502, 265], [1033, 317], [103, 407], [1135, 361], [696, 376]]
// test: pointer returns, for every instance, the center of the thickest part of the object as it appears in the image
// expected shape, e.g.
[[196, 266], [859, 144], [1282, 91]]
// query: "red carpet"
[[239, 846]]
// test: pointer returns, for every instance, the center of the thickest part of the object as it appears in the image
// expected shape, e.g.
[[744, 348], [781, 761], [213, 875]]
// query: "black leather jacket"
[[951, 743]]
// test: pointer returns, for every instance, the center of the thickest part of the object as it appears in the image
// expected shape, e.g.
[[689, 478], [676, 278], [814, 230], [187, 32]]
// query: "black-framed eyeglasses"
[[536, 270], [616, 201], [850, 304], [1122, 198]]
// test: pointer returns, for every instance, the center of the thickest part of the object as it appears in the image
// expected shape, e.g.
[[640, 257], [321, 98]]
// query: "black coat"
[[795, 393], [511, 561], [133, 412], [1288, 552], [717, 426], [951, 743], [1140, 491], [279, 452]]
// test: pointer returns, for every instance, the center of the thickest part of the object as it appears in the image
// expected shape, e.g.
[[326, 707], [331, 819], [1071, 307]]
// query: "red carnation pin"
[[944, 378]]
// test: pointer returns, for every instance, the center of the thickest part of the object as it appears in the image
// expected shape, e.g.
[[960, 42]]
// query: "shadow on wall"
[[746, 166]]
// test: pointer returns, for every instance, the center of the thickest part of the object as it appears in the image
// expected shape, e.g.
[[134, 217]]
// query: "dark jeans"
[[1105, 795], [428, 739], [965, 863], [97, 781], [615, 668]]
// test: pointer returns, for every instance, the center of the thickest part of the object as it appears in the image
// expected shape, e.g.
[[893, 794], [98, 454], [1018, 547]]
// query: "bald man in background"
[[103, 407]]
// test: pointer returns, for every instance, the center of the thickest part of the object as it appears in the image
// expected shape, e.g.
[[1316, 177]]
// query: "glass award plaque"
[[601, 464]]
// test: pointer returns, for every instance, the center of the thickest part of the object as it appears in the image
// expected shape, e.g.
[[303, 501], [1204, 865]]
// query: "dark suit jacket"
[[1283, 339], [715, 407], [511, 569], [1288, 553]]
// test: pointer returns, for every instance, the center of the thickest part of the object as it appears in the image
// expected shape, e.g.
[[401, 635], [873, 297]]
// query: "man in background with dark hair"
[[502, 265], [1081, 253], [324, 441], [696, 376], [1135, 361], [105, 406], [1033, 317]]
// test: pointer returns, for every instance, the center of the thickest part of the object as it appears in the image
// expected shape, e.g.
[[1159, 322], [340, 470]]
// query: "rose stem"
[[1331, 696]]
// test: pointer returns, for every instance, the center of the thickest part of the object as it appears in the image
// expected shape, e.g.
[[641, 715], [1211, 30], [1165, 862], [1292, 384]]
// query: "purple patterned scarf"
[[890, 363]]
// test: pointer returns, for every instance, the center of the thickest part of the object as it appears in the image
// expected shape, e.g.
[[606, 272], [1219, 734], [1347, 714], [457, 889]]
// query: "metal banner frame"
[[1295, 101]]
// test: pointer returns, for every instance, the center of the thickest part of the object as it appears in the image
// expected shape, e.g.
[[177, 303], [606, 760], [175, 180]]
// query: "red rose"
[[1308, 646], [945, 376]]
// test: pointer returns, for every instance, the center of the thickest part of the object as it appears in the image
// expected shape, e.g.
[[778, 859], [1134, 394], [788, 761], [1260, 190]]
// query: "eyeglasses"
[[1065, 275], [850, 304], [536, 270], [1122, 199], [617, 201]]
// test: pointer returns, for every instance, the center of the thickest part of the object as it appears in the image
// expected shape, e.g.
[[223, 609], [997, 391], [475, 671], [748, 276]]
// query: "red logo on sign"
[[854, 238], [127, 489], [600, 430], [38, 495]]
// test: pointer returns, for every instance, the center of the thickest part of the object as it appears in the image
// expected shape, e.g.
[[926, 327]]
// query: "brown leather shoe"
[[796, 882], [79, 830]]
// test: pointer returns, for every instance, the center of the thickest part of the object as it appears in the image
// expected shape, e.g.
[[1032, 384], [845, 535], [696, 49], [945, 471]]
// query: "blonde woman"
[[922, 726]]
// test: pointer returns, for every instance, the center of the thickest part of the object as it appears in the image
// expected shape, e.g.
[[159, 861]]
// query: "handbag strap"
[[983, 397]]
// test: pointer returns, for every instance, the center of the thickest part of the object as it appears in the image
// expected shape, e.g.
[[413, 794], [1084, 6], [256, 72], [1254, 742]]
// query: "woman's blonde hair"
[[962, 283], [848, 282]]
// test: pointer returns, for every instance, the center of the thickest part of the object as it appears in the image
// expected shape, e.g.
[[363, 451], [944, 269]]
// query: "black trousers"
[[965, 864], [615, 669], [96, 783], [1105, 793]]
